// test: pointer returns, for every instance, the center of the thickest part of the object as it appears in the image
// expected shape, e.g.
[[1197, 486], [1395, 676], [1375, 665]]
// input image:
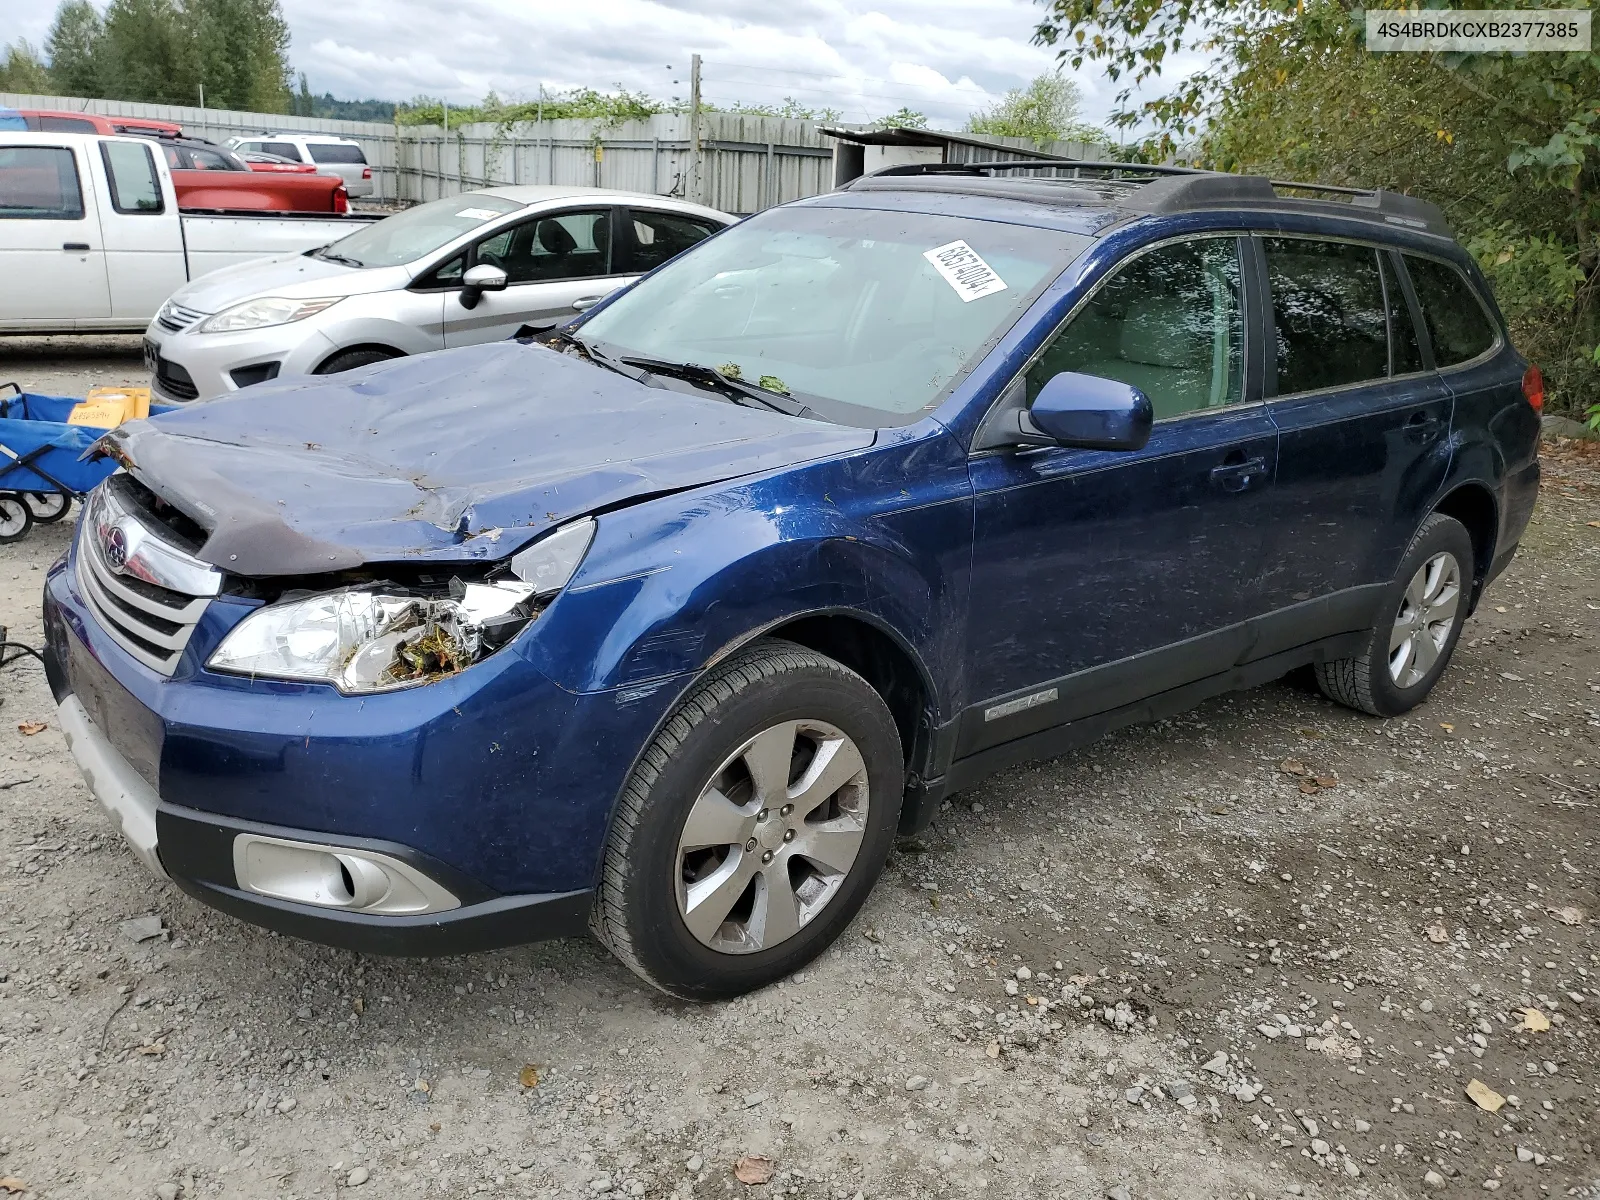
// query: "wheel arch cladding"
[[878, 657], [1474, 506]]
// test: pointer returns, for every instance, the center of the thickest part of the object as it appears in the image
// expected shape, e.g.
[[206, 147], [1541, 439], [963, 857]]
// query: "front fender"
[[671, 585]]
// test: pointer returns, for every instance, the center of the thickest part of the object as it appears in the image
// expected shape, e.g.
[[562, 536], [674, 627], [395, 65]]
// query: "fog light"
[[335, 877]]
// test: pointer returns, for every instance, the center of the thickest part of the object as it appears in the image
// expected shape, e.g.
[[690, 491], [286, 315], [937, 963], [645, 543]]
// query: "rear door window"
[[1328, 312], [131, 174], [39, 183], [283, 150], [659, 236], [323, 152], [1458, 325], [1169, 323]]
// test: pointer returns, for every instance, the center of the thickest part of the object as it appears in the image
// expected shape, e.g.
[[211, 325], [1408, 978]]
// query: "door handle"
[[1423, 427], [75, 246], [1239, 474], [585, 303]]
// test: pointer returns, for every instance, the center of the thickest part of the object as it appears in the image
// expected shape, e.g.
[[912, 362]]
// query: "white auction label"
[[478, 214], [963, 270]]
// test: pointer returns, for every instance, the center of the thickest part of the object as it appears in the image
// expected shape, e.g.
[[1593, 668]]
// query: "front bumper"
[[210, 359], [197, 851], [497, 785]]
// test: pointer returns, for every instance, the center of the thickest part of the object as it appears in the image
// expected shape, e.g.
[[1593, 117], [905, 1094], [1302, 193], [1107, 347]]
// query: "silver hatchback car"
[[478, 267]]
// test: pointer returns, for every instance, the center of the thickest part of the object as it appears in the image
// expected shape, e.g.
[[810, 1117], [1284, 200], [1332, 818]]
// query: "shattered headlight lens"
[[265, 311], [375, 640]]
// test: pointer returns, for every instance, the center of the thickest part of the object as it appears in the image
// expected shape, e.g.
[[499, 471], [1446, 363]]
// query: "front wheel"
[[1417, 627], [349, 360], [753, 826]]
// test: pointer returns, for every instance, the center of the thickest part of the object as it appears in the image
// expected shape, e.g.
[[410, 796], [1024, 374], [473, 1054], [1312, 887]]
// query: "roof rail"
[[1170, 189]]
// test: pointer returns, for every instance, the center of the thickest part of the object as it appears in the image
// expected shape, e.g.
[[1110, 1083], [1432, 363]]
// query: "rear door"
[[52, 257], [558, 264], [143, 236], [1364, 430]]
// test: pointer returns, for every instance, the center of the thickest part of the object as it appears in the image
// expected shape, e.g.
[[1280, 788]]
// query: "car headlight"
[[380, 638], [265, 311]]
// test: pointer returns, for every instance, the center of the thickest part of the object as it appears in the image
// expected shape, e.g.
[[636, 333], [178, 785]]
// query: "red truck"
[[206, 176]]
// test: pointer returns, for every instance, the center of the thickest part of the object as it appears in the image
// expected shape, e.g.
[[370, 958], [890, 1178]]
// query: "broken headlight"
[[379, 638]]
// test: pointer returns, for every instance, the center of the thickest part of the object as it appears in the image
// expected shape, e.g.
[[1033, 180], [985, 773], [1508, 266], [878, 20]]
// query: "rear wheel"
[[754, 825], [1417, 628], [349, 360], [16, 518]]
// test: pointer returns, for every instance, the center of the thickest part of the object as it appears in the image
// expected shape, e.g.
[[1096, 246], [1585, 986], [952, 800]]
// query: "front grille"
[[152, 622], [172, 380], [175, 318]]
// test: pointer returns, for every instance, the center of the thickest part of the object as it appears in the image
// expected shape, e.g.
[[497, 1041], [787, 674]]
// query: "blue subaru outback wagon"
[[662, 624]]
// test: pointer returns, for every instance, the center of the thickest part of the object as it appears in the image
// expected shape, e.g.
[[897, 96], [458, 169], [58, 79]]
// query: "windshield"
[[407, 236], [866, 315]]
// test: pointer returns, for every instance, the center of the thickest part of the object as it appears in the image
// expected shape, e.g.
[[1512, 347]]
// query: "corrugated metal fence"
[[746, 163]]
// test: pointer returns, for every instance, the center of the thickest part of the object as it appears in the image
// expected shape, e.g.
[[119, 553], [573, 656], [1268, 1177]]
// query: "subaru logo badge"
[[116, 548]]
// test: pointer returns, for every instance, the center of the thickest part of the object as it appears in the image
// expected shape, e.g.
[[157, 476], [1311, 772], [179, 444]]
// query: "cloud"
[[945, 58]]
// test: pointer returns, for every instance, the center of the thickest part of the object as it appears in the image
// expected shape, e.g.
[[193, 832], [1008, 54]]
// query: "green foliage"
[[905, 118], [790, 108], [580, 103], [1507, 145], [1046, 111], [164, 51], [351, 110], [21, 70], [74, 47]]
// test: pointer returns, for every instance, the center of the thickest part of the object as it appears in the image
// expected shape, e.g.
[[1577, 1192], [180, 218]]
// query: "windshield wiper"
[[324, 253], [736, 390]]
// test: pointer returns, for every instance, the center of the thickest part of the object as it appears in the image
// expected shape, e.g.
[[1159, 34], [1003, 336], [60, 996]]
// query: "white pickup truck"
[[92, 241]]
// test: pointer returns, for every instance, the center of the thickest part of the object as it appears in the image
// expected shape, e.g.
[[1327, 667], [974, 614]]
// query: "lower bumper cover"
[[195, 850]]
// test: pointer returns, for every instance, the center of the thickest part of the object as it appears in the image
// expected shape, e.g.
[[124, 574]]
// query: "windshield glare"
[[407, 236], [845, 308]]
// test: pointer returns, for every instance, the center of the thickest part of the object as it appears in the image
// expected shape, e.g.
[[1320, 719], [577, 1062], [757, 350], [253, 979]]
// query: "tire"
[[657, 875], [349, 360], [48, 507], [16, 518], [1394, 673]]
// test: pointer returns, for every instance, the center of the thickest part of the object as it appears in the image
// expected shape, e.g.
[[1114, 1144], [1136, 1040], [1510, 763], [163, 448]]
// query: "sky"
[[945, 58]]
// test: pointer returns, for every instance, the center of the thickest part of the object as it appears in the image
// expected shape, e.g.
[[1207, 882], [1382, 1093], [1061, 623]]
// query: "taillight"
[[341, 200], [366, 172], [1533, 388]]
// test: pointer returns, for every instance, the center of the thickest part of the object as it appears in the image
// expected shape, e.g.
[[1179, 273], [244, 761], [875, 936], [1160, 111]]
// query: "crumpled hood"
[[296, 275], [460, 455]]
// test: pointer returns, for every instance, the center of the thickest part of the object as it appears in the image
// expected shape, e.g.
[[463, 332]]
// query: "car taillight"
[[341, 200], [366, 172], [1533, 388]]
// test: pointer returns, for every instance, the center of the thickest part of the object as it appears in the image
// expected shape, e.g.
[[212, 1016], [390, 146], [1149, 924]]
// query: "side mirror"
[[1087, 411], [480, 279]]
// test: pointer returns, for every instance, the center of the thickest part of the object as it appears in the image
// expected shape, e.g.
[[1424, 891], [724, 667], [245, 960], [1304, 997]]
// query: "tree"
[[74, 48], [1508, 145], [304, 104], [21, 70], [1046, 111], [905, 118]]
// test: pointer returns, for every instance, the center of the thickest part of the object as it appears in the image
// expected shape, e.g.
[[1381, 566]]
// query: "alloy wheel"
[[1427, 615], [772, 836]]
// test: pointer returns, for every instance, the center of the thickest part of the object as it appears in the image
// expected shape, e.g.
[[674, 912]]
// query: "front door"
[[1100, 577], [557, 265], [52, 259], [1364, 432], [143, 236]]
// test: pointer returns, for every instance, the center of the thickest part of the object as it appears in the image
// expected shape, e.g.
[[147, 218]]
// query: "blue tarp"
[[33, 428]]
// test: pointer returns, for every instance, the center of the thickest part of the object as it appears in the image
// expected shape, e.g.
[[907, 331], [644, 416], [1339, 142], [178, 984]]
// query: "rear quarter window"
[[281, 149], [1457, 322], [336, 154], [39, 183]]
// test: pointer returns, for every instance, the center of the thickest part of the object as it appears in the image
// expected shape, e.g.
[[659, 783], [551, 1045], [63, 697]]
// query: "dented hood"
[[461, 455]]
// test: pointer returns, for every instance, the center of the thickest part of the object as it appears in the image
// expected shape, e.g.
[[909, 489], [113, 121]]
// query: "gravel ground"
[[1261, 949]]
